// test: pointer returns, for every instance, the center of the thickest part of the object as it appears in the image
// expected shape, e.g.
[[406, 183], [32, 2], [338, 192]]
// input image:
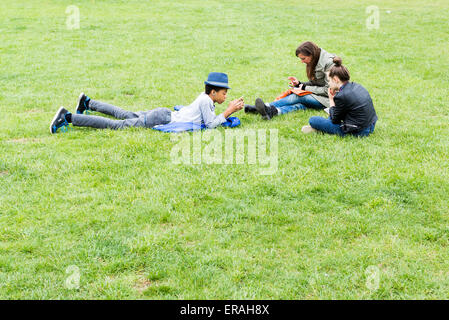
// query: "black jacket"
[[354, 109]]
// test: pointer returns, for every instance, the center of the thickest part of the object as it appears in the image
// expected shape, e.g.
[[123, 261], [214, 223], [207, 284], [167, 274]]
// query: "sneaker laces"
[[65, 127], [85, 105]]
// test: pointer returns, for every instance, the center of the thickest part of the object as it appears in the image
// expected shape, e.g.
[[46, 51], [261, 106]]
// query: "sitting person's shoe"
[[59, 121], [250, 109], [83, 104], [308, 129], [265, 110]]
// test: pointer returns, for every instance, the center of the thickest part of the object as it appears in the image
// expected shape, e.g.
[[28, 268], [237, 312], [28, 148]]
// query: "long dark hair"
[[310, 49], [339, 70]]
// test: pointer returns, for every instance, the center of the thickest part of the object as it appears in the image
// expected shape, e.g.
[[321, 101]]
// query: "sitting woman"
[[351, 108], [318, 63]]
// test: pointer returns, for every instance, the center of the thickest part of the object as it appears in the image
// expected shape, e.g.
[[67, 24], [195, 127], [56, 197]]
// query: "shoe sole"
[[57, 115], [308, 129], [260, 107], [79, 101]]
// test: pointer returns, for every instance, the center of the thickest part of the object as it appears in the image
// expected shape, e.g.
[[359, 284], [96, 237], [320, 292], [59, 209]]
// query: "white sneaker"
[[308, 129]]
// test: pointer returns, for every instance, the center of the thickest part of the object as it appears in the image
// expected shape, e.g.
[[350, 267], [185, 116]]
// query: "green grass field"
[[340, 219]]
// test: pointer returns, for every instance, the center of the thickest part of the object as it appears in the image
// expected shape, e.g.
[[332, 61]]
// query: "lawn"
[[92, 214]]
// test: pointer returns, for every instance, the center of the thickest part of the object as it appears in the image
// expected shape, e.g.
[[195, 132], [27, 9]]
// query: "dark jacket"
[[354, 109]]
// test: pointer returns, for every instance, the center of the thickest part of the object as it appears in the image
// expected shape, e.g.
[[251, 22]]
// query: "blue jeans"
[[294, 102], [326, 126]]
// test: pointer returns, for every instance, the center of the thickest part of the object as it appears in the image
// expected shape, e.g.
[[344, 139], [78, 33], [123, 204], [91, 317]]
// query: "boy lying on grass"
[[201, 111]]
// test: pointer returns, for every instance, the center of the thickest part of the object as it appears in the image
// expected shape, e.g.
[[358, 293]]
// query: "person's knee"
[[293, 99], [315, 122]]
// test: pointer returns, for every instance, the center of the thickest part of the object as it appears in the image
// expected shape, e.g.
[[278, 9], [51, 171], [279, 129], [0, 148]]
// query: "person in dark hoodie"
[[351, 109]]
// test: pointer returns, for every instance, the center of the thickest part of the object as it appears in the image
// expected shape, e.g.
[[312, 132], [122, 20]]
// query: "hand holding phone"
[[293, 81]]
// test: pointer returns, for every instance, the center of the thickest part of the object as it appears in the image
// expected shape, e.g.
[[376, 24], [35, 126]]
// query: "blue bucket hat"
[[217, 79]]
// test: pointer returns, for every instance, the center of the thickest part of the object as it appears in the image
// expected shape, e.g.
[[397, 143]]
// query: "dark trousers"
[[146, 119]]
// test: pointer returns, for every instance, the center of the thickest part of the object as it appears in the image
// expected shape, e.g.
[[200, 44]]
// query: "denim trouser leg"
[[325, 125], [294, 102], [365, 132]]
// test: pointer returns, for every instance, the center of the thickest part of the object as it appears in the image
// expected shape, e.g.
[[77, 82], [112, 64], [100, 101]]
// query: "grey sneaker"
[[59, 121], [83, 104]]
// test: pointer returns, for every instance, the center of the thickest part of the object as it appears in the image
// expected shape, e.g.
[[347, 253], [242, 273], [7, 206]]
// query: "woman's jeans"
[[146, 119], [294, 102], [326, 126]]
